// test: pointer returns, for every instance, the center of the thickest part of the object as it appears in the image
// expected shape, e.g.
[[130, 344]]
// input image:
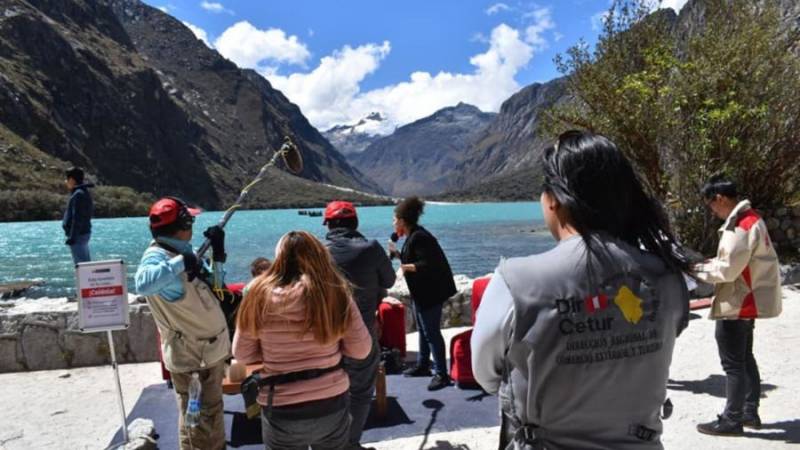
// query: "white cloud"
[[496, 8], [330, 94], [215, 7], [557, 36], [479, 37], [199, 33], [674, 4], [542, 21], [251, 47], [310, 32], [598, 20]]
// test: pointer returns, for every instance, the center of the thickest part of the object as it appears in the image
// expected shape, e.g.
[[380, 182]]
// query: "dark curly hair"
[[409, 210]]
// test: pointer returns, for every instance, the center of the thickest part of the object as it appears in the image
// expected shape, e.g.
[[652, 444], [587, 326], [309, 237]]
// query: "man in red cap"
[[194, 332], [366, 265]]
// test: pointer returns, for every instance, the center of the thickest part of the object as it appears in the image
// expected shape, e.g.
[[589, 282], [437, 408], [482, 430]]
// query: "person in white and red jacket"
[[746, 279]]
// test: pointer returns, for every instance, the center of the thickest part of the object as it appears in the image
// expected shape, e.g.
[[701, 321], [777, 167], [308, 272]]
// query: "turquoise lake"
[[473, 235]]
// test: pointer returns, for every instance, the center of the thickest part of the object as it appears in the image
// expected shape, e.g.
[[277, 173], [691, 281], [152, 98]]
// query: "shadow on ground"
[[714, 385], [412, 411], [787, 431], [444, 445]]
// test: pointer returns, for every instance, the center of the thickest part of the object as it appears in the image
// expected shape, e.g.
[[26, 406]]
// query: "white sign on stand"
[[103, 306], [102, 296]]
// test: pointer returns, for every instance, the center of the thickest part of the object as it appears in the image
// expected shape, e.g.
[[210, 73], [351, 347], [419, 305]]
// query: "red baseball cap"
[[168, 210], [339, 210]]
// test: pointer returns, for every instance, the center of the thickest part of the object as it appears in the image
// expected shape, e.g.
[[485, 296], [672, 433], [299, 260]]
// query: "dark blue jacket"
[[365, 264], [78, 217]]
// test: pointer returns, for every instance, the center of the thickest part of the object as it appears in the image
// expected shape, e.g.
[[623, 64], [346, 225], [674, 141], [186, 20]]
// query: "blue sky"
[[341, 60]]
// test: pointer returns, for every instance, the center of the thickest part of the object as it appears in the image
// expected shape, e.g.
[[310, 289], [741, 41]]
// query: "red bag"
[[392, 322], [478, 288], [461, 361], [236, 288]]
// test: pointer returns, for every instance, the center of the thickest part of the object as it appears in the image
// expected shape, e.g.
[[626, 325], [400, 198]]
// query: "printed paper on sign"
[[102, 296]]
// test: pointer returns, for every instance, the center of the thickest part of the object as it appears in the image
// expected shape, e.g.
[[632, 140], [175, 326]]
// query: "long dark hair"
[[589, 176]]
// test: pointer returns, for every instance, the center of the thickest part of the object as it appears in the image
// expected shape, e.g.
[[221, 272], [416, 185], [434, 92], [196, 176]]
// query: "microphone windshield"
[[292, 158], [394, 237]]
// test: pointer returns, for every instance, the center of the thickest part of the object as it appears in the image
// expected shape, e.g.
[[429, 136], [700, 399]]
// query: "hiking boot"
[[417, 371], [439, 381], [721, 427], [751, 420]]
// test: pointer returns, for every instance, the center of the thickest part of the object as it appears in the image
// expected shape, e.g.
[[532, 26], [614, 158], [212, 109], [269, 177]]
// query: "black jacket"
[[78, 216], [433, 282], [366, 265]]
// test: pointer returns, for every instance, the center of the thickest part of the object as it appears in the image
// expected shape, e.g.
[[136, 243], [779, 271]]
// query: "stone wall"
[[47, 340], [456, 312], [51, 340], [784, 227]]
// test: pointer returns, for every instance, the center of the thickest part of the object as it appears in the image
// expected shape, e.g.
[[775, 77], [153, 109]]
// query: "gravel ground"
[[77, 409]]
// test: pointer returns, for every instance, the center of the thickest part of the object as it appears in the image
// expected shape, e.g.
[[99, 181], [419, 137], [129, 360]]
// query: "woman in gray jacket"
[[578, 340]]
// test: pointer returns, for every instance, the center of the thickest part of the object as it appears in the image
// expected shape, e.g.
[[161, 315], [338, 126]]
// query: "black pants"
[[743, 384], [429, 325]]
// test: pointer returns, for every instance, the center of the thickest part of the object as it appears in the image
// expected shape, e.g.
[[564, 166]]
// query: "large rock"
[[790, 274], [86, 349], [773, 223], [142, 336], [8, 354], [41, 347], [456, 311], [141, 435]]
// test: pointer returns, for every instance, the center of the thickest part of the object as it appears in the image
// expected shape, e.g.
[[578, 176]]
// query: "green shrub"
[[685, 104]]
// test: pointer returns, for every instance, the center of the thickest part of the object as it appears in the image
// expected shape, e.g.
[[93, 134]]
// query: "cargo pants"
[[209, 434]]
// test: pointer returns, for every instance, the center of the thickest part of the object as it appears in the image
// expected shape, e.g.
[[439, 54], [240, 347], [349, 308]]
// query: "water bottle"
[[192, 417]]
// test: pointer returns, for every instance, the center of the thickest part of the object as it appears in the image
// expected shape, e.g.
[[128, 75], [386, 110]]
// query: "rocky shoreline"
[[43, 334]]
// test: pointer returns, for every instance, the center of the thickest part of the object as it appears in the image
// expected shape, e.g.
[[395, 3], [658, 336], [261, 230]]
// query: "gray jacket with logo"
[[581, 352]]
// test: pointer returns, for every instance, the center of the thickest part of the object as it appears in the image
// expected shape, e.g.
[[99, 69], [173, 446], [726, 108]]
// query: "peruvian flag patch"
[[596, 303]]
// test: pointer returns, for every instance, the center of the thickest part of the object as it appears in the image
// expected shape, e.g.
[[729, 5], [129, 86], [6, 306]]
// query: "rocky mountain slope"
[[510, 145], [355, 138], [416, 157], [130, 94]]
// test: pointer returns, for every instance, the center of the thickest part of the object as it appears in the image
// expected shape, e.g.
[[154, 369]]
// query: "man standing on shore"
[[368, 268], [77, 222], [193, 329], [747, 286]]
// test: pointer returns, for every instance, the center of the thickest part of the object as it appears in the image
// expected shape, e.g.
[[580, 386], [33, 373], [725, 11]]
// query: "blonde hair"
[[301, 258]]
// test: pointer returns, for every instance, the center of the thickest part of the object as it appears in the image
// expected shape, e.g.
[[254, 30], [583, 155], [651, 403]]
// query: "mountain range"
[[349, 139], [415, 158], [130, 94]]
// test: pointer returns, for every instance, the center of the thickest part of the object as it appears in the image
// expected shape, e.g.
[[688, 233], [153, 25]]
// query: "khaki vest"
[[194, 333]]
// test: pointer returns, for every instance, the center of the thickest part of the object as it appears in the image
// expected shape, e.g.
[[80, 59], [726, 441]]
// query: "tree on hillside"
[[687, 102]]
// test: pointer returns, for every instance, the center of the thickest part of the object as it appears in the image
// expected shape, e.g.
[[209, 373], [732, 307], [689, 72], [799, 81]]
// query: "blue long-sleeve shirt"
[[158, 273], [77, 219]]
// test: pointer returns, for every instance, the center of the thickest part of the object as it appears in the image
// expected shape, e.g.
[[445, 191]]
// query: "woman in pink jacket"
[[299, 319]]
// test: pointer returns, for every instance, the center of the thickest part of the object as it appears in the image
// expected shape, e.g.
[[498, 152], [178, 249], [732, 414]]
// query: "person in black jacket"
[[430, 282], [77, 222], [368, 268]]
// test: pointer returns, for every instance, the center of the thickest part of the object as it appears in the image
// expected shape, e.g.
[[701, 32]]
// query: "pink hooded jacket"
[[283, 346]]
